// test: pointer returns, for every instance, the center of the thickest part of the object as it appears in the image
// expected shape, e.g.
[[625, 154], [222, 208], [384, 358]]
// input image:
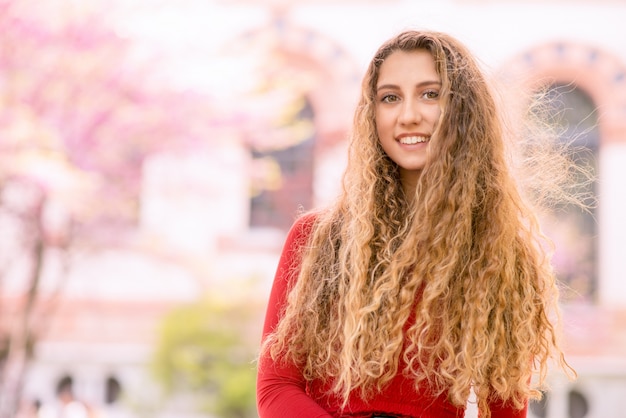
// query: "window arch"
[[113, 390], [573, 229], [539, 408], [304, 67], [577, 404]]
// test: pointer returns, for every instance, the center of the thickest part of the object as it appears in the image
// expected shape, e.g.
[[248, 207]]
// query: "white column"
[[557, 398], [612, 225], [89, 382]]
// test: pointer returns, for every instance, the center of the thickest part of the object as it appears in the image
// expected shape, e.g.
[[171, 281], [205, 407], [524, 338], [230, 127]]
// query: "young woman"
[[428, 277]]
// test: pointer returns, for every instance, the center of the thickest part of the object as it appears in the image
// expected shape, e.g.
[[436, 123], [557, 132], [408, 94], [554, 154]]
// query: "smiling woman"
[[426, 279]]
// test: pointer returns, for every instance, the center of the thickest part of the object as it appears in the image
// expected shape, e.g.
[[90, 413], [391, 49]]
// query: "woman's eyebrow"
[[420, 84]]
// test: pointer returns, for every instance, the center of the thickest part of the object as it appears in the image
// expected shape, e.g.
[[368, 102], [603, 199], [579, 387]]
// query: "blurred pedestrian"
[[66, 405]]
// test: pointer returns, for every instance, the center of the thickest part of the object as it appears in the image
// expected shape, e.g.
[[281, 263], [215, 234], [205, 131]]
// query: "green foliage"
[[208, 349]]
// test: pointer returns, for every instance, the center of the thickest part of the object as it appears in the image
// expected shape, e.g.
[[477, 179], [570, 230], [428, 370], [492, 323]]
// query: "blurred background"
[[154, 153]]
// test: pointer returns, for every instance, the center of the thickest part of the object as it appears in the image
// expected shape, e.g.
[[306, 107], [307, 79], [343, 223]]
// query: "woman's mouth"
[[410, 140]]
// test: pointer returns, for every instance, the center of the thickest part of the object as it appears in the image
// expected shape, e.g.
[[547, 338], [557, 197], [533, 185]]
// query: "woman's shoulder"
[[307, 222], [303, 224]]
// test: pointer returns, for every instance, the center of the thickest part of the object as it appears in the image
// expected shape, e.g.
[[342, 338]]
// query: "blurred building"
[[291, 70]]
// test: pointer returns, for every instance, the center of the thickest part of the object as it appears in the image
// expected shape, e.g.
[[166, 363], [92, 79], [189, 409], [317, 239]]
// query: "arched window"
[[113, 390], [574, 230], [539, 408], [286, 172], [578, 407]]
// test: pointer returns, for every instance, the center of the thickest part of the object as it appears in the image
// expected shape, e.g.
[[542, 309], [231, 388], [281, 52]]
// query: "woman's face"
[[407, 109]]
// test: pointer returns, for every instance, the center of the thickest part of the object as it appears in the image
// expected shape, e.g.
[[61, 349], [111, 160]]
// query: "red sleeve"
[[281, 389], [507, 410]]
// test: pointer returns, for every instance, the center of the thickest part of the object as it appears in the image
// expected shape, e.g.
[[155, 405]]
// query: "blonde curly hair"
[[463, 261]]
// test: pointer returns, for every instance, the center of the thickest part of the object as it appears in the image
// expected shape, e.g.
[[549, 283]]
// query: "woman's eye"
[[389, 98], [431, 94]]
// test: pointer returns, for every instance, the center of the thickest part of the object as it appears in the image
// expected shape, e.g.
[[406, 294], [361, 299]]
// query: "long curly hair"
[[463, 261]]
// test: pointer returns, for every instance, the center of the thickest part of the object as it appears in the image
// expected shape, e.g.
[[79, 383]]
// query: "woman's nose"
[[410, 113]]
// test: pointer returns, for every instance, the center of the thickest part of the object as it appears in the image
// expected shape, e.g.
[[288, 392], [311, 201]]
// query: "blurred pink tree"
[[78, 116]]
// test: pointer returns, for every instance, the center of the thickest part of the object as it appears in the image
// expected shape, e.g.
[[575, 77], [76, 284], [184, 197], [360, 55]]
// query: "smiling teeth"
[[410, 140]]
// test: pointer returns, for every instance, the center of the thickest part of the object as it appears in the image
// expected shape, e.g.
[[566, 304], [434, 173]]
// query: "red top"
[[282, 392]]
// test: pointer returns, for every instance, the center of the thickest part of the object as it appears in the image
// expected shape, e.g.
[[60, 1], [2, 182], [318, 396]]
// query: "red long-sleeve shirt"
[[282, 392]]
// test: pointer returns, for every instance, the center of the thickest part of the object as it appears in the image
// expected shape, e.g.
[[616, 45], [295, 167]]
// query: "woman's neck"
[[409, 180]]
